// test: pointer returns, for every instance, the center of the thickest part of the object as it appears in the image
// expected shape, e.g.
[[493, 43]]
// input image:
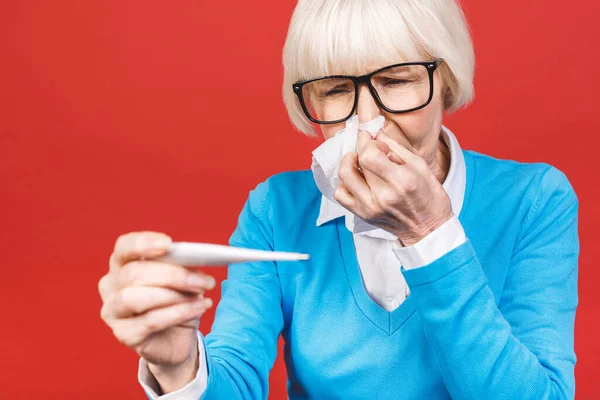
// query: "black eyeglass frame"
[[366, 79]]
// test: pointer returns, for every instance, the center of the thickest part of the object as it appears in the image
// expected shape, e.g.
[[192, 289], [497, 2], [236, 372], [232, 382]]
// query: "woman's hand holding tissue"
[[155, 307], [390, 187]]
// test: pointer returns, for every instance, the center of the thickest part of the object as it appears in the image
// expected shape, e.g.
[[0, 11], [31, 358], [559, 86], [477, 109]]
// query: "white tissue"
[[326, 162]]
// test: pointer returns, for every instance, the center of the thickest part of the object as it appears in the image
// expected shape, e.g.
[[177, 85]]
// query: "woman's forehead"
[[361, 65], [368, 66]]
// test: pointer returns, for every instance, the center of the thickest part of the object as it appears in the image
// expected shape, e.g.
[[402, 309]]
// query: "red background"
[[120, 116]]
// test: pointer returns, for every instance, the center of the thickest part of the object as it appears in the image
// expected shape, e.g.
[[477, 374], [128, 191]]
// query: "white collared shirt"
[[380, 256]]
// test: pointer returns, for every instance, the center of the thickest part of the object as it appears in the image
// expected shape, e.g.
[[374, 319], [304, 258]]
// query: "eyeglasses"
[[397, 89]]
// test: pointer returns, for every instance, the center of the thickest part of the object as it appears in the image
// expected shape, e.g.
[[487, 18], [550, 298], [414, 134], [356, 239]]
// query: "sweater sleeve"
[[242, 345], [521, 348]]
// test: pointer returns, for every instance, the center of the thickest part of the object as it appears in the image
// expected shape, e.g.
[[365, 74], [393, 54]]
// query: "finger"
[[192, 323], [395, 158], [134, 300], [106, 285], [353, 180], [137, 245], [402, 182], [362, 139], [154, 273], [135, 330], [375, 163], [345, 198], [406, 155]]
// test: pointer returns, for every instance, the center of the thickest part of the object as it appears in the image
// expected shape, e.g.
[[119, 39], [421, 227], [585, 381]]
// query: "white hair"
[[327, 37]]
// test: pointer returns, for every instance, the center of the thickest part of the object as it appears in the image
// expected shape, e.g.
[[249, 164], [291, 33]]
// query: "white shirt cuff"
[[193, 390], [444, 239]]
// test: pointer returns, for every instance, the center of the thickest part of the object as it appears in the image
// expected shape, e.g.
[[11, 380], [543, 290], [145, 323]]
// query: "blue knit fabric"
[[492, 319]]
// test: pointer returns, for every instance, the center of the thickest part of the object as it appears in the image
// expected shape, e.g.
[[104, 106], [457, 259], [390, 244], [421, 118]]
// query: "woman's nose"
[[366, 109]]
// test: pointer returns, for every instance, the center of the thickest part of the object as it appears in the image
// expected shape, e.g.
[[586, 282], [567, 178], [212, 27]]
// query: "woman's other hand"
[[390, 187], [154, 307]]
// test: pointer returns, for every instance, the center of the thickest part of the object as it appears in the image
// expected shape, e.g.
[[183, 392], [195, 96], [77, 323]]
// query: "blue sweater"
[[492, 319]]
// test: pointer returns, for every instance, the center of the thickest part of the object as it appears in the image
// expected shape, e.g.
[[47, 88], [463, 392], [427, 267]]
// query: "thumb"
[[362, 139]]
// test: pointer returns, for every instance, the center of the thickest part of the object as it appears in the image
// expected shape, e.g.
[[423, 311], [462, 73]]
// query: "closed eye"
[[336, 91], [396, 81]]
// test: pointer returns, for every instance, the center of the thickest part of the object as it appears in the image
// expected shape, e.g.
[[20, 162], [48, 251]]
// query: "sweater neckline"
[[387, 321]]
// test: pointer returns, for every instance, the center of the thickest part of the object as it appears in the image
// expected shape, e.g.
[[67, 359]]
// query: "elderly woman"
[[435, 272]]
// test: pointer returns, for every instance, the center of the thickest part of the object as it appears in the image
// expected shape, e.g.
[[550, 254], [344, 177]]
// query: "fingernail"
[[201, 281], [202, 304], [199, 305], [160, 243], [210, 283]]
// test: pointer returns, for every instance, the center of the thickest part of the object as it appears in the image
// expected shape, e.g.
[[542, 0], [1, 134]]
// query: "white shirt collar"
[[454, 185]]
